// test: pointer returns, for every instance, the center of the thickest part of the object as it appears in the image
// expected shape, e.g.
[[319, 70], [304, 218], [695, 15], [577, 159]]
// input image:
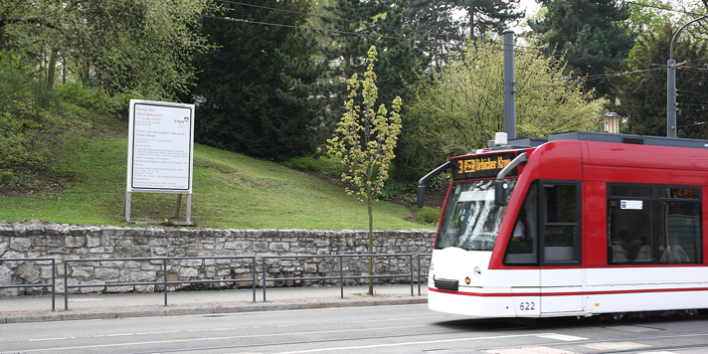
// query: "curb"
[[68, 315]]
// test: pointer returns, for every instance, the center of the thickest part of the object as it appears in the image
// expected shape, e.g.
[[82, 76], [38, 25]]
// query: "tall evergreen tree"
[[484, 15], [403, 51], [584, 30], [254, 85], [642, 96], [437, 20]]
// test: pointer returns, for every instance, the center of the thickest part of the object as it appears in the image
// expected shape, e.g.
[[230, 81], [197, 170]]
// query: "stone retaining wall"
[[34, 239]]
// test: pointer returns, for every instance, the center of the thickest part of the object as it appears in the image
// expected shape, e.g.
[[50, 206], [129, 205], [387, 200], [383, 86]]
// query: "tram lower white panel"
[[474, 306], [576, 292], [645, 302]]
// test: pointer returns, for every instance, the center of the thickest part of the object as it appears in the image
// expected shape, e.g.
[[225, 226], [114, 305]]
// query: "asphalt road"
[[377, 329]]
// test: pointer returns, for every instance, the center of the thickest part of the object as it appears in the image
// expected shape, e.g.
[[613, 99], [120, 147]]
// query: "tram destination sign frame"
[[481, 166]]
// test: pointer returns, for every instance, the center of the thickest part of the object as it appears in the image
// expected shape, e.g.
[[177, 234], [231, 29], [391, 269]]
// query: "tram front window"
[[471, 219]]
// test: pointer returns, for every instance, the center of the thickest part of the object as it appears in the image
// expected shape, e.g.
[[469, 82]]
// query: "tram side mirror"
[[500, 192]]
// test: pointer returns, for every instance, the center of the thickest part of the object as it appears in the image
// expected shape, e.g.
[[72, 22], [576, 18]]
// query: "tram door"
[[560, 247]]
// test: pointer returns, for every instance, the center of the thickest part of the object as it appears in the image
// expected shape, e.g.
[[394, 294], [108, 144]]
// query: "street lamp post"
[[671, 85]]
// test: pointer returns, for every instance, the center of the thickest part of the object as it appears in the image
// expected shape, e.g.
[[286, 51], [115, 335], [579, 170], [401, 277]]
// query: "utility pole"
[[509, 85], [671, 85]]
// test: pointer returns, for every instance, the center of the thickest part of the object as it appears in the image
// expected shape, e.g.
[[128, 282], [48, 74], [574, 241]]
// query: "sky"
[[530, 6]]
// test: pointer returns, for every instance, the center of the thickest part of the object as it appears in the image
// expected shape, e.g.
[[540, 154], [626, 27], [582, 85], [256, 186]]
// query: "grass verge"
[[229, 190]]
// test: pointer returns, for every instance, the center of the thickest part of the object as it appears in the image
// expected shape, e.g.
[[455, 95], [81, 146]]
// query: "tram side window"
[[561, 241], [522, 247], [630, 231], [663, 226], [681, 237]]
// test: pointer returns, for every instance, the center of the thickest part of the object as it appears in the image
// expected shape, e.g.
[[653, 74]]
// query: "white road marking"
[[408, 343], [43, 339], [615, 345], [529, 350], [214, 338], [562, 337], [218, 329]]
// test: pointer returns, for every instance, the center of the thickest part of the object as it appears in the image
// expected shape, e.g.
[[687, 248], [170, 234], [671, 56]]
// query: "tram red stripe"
[[613, 292]]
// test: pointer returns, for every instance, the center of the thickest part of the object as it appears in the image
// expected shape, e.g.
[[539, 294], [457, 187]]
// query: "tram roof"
[[611, 138]]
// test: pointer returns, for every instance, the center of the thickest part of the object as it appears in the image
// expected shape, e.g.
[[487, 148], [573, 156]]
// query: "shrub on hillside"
[[22, 117], [93, 98], [429, 215], [327, 165]]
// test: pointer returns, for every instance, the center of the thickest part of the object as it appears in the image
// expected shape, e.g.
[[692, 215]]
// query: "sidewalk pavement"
[[16, 309]]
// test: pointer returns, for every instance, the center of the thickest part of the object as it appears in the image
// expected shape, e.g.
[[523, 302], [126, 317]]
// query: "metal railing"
[[165, 283], [426, 274], [254, 281], [53, 285], [341, 276]]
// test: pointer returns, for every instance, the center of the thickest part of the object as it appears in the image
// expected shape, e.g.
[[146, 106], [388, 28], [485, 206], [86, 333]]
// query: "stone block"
[[75, 241], [279, 247], [145, 288], [260, 246], [4, 244], [188, 273], [93, 241], [20, 244], [107, 273], [81, 272], [137, 277], [29, 272], [92, 289]]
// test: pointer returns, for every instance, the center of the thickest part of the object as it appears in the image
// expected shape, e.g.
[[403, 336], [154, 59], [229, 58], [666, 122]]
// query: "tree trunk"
[[371, 244], [51, 67], [471, 11]]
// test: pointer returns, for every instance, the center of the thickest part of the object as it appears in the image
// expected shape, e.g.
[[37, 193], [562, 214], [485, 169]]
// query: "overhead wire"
[[661, 8], [226, 18], [337, 18], [517, 49]]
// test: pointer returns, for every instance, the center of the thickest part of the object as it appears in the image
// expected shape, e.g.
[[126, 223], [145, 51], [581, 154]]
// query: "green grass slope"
[[229, 190]]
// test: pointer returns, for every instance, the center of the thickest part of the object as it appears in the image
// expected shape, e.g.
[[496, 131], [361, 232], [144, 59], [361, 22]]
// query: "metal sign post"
[[160, 152]]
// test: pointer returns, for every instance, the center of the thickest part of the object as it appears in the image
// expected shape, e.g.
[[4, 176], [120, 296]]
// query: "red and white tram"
[[578, 224]]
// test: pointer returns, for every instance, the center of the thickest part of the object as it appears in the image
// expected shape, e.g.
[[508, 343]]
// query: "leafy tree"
[[366, 142], [142, 46], [584, 30], [646, 18], [254, 85], [642, 96], [463, 106]]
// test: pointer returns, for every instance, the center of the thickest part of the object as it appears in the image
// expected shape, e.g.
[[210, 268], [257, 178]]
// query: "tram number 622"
[[528, 306]]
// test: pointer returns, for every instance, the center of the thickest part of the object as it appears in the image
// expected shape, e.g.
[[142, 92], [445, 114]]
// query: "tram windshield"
[[471, 219]]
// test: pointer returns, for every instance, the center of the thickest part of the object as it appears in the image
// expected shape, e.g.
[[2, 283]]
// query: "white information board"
[[160, 147]]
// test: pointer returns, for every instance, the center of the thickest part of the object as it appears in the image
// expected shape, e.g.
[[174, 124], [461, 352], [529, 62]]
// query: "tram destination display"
[[481, 166], [160, 147]]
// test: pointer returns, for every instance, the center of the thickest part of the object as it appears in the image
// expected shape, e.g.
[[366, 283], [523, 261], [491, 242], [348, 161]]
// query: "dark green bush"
[[401, 190], [440, 182], [429, 215], [327, 165]]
